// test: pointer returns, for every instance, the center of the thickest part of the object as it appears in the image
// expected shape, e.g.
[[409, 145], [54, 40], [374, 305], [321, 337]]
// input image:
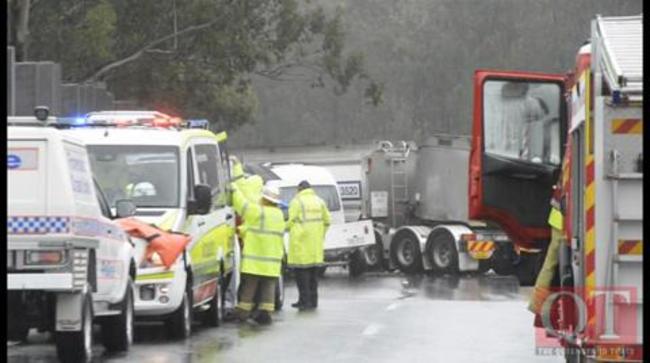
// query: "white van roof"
[[293, 174], [40, 132]]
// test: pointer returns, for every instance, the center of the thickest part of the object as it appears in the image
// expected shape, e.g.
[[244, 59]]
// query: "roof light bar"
[[197, 124]]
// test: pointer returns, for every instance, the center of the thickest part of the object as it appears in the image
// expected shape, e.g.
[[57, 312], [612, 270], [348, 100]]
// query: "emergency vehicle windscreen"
[[148, 175], [522, 120], [327, 193]]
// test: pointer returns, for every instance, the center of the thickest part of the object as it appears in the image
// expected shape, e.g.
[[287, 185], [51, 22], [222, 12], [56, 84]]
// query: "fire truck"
[[496, 215], [515, 161]]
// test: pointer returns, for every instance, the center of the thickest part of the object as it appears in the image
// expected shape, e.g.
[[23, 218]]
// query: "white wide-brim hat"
[[272, 194]]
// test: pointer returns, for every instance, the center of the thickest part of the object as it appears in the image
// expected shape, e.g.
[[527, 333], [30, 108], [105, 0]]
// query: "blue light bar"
[[198, 124], [71, 121]]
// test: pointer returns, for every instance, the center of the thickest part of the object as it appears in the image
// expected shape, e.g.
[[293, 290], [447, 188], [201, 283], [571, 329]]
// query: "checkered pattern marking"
[[38, 225]]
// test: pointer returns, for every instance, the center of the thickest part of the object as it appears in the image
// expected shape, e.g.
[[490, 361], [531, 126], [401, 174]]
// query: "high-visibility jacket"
[[308, 223], [263, 229], [543, 286], [251, 186]]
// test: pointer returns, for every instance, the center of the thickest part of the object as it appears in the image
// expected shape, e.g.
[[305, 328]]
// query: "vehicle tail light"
[[44, 257], [468, 237]]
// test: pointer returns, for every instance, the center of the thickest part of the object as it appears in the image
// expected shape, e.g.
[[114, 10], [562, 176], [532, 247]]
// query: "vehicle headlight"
[[44, 257]]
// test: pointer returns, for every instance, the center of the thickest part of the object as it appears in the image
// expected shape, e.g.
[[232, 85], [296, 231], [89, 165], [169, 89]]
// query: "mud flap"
[[69, 311]]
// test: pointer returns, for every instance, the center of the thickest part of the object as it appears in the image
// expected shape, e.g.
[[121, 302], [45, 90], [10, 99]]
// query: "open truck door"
[[519, 129]]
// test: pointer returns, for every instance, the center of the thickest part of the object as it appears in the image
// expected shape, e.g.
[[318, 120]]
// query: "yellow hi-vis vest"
[[263, 235], [555, 219], [251, 186], [308, 223]]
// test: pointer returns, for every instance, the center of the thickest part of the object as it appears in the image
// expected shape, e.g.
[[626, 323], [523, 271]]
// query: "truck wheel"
[[357, 264], [503, 259], [483, 266], [76, 346], [405, 251], [442, 251], [214, 314], [179, 325], [527, 268], [117, 331], [374, 254], [279, 293]]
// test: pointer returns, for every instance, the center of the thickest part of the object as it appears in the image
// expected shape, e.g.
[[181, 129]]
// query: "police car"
[[176, 175], [68, 264]]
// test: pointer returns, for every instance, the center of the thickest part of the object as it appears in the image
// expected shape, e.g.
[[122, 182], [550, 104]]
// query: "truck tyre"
[[179, 324], [357, 264], [76, 346], [527, 268], [374, 254], [502, 260], [442, 252], [279, 293], [214, 314], [483, 266], [405, 251], [117, 331]]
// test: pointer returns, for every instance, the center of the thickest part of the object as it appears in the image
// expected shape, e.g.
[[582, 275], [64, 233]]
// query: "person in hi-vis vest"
[[308, 222], [263, 230]]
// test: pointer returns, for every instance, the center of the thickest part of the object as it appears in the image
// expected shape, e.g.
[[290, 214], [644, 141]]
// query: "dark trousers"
[[252, 286], [307, 281]]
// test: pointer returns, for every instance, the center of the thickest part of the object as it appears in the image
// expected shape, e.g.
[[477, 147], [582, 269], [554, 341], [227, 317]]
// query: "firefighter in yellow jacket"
[[549, 269], [263, 229], [308, 223]]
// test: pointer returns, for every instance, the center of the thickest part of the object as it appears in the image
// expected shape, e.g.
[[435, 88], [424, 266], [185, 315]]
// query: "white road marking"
[[371, 330], [392, 306]]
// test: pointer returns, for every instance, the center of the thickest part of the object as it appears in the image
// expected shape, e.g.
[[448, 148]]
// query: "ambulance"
[[68, 264], [176, 173]]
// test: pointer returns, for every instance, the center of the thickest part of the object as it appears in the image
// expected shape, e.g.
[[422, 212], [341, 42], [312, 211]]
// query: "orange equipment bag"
[[168, 245]]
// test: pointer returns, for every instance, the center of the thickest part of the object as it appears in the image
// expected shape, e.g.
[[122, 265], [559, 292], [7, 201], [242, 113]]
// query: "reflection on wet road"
[[381, 317]]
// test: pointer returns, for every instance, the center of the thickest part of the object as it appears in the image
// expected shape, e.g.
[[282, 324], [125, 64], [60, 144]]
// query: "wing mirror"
[[202, 202], [125, 208]]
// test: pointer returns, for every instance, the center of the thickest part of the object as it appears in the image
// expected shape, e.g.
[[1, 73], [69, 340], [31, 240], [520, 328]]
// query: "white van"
[[68, 264], [345, 243], [176, 176]]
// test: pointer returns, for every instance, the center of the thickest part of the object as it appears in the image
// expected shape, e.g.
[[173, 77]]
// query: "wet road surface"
[[381, 317]]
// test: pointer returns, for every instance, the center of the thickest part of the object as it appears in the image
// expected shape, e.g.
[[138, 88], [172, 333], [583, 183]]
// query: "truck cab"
[[68, 264], [519, 128]]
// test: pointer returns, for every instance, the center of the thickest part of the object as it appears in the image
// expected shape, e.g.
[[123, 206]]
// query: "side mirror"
[[202, 202], [124, 208]]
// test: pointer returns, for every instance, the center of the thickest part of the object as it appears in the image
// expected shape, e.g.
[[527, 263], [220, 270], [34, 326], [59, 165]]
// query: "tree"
[[196, 57]]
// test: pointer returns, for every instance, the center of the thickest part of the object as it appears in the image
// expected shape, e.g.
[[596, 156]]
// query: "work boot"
[[297, 304], [309, 307], [263, 318]]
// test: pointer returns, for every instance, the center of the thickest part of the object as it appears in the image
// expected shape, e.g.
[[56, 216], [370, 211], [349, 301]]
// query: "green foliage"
[[206, 69]]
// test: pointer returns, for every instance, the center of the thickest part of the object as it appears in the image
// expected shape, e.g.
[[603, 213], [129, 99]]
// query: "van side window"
[[207, 160], [190, 175], [101, 199]]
